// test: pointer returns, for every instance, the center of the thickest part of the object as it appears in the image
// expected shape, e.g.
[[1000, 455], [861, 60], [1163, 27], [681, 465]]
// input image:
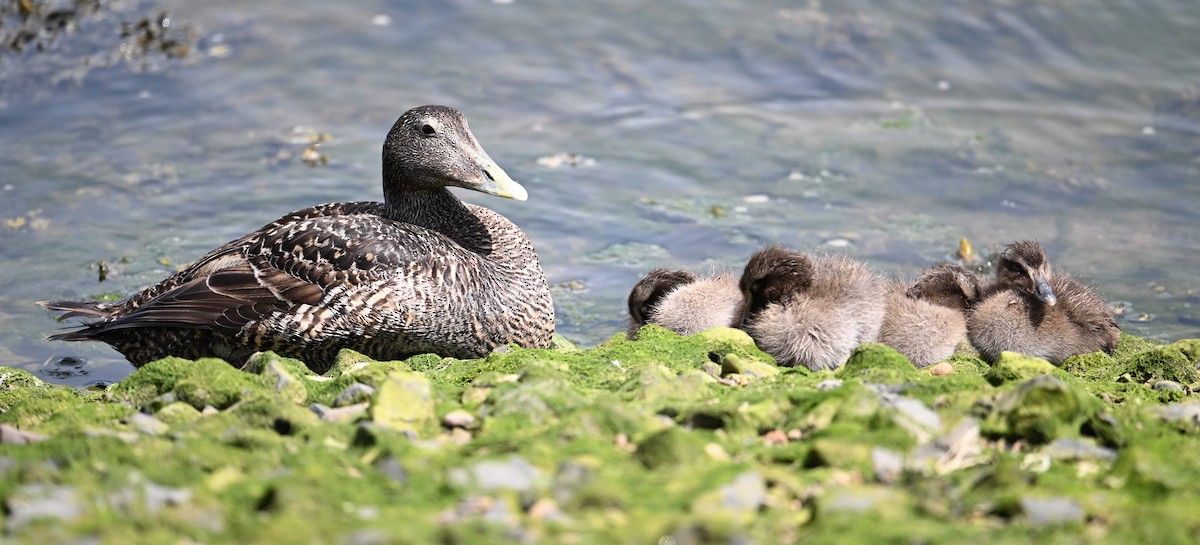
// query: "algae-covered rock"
[[1013, 367], [732, 363], [404, 402], [282, 373], [17, 384], [1040, 410], [177, 413], [671, 447], [206, 381], [878, 363]]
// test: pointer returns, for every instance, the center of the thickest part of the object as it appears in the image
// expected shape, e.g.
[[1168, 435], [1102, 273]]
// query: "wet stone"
[[354, 393], [39, 501], [1051, 511]]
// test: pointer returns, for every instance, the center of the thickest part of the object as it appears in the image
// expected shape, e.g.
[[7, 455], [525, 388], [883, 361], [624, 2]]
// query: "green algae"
[[700, 438]]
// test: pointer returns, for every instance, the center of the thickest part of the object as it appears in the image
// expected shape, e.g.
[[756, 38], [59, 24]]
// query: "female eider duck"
[[1030, 310], [810, 311], [926, 318], [683, 302], [420, 272]]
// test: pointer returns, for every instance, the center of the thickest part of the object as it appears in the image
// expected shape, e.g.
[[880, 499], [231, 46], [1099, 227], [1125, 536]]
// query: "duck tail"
[[78, 309]]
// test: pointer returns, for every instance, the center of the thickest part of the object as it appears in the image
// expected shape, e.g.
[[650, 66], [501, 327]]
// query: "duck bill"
[[494, 181], [1042, 290]]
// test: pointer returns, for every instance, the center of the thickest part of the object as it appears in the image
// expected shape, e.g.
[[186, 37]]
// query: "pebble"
[[390, 467], [1048, 511], [459, 418], [354, 393], [545, 509], [340, 415], [513, 474], [1168, 385], [887, 465], [747, 492], [13, 436], [941, 369], [147, 425], [828, 384]]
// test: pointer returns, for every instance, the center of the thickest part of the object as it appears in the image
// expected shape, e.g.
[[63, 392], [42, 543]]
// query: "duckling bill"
[[1032, 310], [420, 272]]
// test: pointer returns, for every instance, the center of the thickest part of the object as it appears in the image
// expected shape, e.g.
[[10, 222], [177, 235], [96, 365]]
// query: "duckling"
[[420, 272], [926, 318], [1030, 310], [684, 302], [810, 311]]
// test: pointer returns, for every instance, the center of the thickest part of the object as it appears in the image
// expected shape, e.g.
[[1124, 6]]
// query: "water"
[[702, 130]]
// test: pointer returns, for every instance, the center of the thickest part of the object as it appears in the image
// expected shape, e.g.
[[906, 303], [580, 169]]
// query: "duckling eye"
[[428, 130]]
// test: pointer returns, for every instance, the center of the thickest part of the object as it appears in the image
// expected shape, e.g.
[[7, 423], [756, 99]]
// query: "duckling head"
[[649, 291], [948, 285], [773, 275], [1022, 266], [431, 147]]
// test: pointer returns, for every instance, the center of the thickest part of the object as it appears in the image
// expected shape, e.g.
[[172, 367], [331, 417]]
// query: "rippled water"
[[701, 130]]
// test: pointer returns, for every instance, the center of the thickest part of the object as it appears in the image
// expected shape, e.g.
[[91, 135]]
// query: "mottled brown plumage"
[[926, 317], [420, 272], [810, 311], [1033, 311], [683, 302]]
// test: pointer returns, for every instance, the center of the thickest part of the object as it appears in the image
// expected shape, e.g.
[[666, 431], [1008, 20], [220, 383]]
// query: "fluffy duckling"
[[810, 311], [926, 318], [1030, 310], [683, 302]]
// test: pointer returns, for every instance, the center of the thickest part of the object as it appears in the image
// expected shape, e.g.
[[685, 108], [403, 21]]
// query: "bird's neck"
[[439, 210]]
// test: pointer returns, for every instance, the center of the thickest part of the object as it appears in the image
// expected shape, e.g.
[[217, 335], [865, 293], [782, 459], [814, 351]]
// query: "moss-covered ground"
[[666, 439]]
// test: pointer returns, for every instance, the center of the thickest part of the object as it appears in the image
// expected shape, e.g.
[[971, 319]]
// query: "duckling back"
[[683, 302]]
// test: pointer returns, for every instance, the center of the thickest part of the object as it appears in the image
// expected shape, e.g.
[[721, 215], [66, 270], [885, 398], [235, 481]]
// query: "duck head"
[[431, 147], [647, 293], [773, 275], [1022, 266]]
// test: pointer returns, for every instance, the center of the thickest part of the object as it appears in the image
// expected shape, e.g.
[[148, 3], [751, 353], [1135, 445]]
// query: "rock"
[[1011, 366], [545, 509], [390, 467], [941, 369], [669, 447], [711, 369], [514, 474], [828, 384], [177, 413], [1051, 511], [459, 418], [732, 363], [1168, 385], [356, 392], [340, 415], [404, 402], [746, 493], [42, 501], [13, 436], [282, 379], [887, 465], [958, 449], [912, 416], [559, 342], [1071, 449], [147, 425], [155, 496], [878, 363], [1040, 410]]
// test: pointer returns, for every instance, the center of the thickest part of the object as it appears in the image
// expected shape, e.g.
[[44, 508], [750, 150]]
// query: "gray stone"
[[459, 418], [1168, 385], [887, 465], [912, 415], [829, 384], [958, 449], [340, 415], [390, 467], [747, 492], [1077, 449], [13, 436], [1051, 511], [147, 425], [41, 501], [513, 474], [287, 385], [354, 393]]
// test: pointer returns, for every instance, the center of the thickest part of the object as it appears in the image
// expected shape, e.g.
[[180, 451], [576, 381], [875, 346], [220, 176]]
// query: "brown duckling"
[[420, 272], [926, 318], [810, 310], [684, 302], [1033, 311]]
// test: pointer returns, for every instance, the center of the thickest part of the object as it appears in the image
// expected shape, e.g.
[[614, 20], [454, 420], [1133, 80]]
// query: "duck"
[[684, 302], [926, 318], [420, 272], [1032, 310], [810, 311]]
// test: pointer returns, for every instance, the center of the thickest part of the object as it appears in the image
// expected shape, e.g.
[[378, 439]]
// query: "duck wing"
[[283, 266]]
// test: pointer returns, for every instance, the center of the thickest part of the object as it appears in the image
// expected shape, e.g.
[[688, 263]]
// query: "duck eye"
[[427, 130]]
